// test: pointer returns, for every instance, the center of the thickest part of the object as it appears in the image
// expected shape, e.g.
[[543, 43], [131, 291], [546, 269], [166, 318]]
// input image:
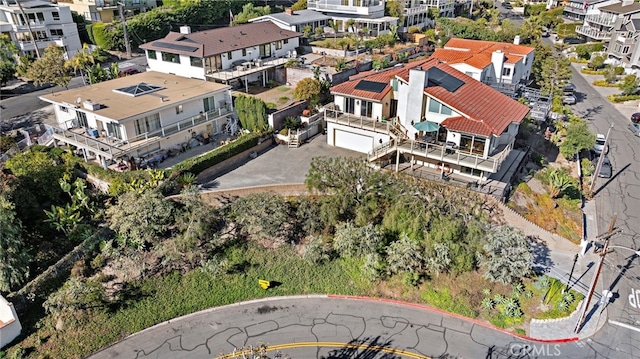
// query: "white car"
[[599, 147], [569, 100], [635, 128]]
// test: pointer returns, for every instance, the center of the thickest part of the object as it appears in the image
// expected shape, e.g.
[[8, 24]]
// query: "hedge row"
[[605, 83], [198, 164], [592, 72], [622, 98]]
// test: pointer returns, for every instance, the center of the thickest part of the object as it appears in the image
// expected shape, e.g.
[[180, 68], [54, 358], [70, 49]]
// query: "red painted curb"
[[475, 321]]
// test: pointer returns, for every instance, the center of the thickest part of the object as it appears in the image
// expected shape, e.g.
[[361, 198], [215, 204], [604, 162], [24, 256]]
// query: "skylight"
[[139, 89]]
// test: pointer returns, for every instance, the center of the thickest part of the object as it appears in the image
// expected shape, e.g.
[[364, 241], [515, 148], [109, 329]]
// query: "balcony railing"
[[365, 7], [416, 10], [590, 32], [575, 10], [604, 20], [111, 147]]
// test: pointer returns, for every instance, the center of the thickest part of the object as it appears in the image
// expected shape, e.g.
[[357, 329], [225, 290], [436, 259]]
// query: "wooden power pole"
[[610, 233]]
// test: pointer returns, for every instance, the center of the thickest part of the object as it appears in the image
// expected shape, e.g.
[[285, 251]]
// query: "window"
[[63, 109], [56, 15], [151, 54], [196, 61], [169, 57], [506, 71], [56, 32], [436, 107], [209, 103], [366, 108], [244, 52], [149, 124], [286, 41], [82, 119], [229, 56], [114, 130], [179, 109], [278, 45], [625, 49]]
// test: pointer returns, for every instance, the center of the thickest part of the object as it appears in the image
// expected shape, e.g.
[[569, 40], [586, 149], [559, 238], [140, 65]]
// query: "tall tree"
[[629, 85], [299, 5], [81, 61], [394, 8], [308, 89], [14, 258], [50, 68], [507, 257], [555, 70], [335, 26], [250, 11], [579, 138], [8, 50]]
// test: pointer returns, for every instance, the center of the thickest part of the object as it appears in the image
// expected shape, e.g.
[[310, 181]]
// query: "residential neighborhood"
[[166, 166]]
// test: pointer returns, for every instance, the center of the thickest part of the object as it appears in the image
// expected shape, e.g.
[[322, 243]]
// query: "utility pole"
[[127, 45], [610, 233], [594, 176], [26, 21]]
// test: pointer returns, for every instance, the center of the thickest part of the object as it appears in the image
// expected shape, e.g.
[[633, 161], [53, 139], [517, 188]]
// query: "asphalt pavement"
[[329, 327], [617, 197]]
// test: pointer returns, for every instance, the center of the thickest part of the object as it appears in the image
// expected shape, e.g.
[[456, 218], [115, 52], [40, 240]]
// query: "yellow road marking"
[[270, 348]]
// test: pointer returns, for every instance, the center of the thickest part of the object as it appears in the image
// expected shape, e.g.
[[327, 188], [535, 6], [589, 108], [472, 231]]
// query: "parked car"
[[569, 100], [635, 118], [129, 71], [635, 128], [573, 40], [599, 147], [569, 88], [545, 32], [606, 170]]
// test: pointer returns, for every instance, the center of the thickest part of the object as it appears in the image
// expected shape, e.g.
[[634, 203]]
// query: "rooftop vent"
[[91, 106]]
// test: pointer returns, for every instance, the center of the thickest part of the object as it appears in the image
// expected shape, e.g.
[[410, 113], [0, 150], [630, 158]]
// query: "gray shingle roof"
[[218, 41]]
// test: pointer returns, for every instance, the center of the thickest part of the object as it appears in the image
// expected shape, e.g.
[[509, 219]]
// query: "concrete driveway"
[[278, 165]]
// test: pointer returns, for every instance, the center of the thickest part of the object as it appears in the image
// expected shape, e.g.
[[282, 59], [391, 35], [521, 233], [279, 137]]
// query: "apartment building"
[[600, 27], [50, 24], [366, 14], [107, 10], [577, 10]]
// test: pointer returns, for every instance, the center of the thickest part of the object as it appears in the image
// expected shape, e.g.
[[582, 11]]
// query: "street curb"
[[474, 321]]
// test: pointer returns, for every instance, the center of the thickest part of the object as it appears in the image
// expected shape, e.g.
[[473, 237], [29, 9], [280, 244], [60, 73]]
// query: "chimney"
[[185, 29], [288, 11], [627, 2], [497, 59], [516, 40], [418, 79]]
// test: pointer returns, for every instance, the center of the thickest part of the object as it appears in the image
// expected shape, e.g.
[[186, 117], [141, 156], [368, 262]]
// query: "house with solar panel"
[[139, 115], [236, 55], [427, 113]]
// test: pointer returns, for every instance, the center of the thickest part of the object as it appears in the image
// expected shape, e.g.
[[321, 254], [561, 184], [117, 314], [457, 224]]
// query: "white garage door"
[[353, 141]]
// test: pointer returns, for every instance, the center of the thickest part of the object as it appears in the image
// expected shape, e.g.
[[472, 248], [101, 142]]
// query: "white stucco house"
[[429, 112], [296, 20], [138, 115], [10, 326], [487, 61], [233, 55], [50, 24]]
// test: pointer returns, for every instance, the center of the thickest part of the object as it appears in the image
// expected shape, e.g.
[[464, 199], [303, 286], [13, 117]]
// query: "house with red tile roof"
[[487, 61], [427, 112]]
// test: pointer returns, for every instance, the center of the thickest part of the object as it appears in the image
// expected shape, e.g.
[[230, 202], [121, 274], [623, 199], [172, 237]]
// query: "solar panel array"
[[139, 89], [177, 47], [440, 78], [371, 86]]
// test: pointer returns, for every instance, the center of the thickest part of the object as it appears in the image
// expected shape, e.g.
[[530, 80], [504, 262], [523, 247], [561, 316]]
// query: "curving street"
[[329, 327]]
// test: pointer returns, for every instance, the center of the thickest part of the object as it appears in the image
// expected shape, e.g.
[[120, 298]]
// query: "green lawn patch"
[[283, 88]]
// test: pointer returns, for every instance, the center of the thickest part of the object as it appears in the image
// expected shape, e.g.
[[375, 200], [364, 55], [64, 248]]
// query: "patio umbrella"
[[426, 126]]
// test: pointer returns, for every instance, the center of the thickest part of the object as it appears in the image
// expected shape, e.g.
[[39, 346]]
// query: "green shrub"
[[442, 299], [100, 37], [92, 38], [604, 83], [618, 70], [592, 72], [201, 163], [622, 98]]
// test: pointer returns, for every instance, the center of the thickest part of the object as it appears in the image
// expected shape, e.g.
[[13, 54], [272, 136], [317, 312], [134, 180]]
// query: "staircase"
[[294, 141]]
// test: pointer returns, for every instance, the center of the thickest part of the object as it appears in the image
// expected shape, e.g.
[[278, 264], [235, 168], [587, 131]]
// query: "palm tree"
[[350, 24], [343, 43], [335, 26], [81, 61]]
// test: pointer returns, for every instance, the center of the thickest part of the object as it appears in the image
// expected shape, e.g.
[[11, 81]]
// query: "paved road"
[[298, 324], [619, 195], [24, 103]]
